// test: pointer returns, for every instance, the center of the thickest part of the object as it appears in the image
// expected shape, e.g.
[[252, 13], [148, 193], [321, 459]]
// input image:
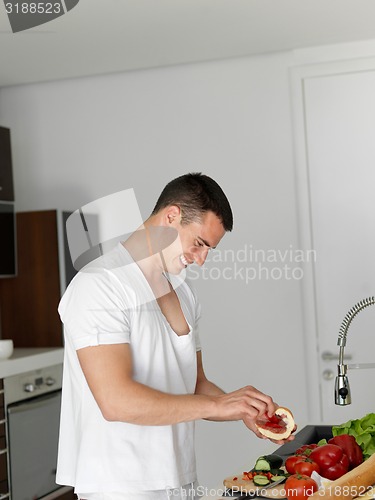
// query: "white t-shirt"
[[110, 302], [190, 491]]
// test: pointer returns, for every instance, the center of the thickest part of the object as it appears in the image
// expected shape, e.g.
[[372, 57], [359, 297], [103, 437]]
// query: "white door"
[[339, 143]]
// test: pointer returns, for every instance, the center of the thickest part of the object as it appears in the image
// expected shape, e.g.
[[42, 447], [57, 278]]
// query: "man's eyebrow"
[[205, 242]]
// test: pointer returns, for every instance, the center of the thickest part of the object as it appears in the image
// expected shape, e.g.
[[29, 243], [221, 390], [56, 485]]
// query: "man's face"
[[194, 242]]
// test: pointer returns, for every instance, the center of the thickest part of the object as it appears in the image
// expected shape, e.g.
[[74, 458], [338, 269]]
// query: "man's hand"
[[245, 404], [251, 405], [282, 441]]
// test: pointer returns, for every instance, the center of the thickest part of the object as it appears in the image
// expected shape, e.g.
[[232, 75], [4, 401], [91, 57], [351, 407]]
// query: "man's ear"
[[173, 214]]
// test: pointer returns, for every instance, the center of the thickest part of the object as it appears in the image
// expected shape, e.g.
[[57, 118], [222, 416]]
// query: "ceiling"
[[106, 36]]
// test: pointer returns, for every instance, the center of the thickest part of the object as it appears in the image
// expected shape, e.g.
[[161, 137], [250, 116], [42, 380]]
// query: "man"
[[134, 381]]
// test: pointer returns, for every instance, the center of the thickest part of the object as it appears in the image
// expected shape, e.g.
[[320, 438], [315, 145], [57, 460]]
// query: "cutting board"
[[245, 486]]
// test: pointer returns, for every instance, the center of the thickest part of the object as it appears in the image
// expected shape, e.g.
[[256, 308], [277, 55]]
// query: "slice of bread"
[[279, 426]]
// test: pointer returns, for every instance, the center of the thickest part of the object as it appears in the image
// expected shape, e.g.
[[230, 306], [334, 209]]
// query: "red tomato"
[[306, 466], [300, 487], [290, 463]]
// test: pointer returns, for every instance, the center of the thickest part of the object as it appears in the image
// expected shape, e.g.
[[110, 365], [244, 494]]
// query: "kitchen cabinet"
[[8, 264], [28, 302], [7, 220], [6, 176]]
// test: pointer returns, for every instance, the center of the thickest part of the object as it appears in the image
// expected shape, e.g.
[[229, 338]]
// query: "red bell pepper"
[[350, 447], [332, 461], [306, 449]]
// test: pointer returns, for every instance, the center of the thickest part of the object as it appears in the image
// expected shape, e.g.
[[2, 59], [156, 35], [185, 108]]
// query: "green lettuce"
[[363, 430]]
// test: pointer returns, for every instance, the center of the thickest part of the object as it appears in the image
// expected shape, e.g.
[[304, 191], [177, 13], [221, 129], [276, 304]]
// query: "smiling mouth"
[[184, 260]]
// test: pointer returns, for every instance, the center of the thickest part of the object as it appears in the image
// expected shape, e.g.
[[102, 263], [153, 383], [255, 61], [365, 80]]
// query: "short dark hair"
[[196, 194]]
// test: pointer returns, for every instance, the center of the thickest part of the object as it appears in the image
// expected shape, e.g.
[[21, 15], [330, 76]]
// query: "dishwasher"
[[32, 407]]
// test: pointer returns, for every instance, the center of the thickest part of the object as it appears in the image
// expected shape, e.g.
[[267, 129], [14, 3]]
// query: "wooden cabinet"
[[6, 176], [28, 302]]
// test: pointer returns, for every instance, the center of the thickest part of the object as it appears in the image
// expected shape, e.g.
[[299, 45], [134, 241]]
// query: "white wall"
[[77, 140]]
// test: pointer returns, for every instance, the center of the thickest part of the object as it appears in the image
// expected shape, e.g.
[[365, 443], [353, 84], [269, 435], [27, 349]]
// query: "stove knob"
[[29, 387], [50, 381]]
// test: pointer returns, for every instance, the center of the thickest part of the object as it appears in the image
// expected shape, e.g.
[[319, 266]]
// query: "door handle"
[[328, 356], [328, 375]]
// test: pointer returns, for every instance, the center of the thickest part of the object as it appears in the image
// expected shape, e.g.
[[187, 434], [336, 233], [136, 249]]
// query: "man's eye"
[[198, 243]]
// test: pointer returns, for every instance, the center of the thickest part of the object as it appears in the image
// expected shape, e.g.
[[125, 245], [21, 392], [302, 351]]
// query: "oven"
[[32, 412]]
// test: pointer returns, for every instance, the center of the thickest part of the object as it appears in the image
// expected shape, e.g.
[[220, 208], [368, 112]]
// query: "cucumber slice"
[[277, 478], [262, 464], [268, 462], [260, 480]]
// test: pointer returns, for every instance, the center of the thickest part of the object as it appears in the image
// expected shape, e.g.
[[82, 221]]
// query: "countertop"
[[217, 493], [30, 358]]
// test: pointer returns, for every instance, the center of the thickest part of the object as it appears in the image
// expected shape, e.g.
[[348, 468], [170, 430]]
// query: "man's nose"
[[201, 256]]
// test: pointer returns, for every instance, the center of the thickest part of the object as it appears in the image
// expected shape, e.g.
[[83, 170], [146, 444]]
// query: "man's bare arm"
[[108, 371], [205, 386]]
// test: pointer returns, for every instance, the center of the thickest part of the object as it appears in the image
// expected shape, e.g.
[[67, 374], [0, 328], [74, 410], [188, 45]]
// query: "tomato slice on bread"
[[279, 426]]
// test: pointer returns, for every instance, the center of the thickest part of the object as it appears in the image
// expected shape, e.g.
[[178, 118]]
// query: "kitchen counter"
[[308, 434], [30, 358], [217, 492]]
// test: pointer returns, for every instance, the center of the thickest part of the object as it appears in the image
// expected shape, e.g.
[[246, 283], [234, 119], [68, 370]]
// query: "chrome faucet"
[[342, 388]]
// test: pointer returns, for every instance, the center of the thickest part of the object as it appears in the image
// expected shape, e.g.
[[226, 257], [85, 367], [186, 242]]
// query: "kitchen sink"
[[307, 435]]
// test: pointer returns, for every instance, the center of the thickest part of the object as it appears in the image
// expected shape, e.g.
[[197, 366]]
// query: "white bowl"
[[6, 349]]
